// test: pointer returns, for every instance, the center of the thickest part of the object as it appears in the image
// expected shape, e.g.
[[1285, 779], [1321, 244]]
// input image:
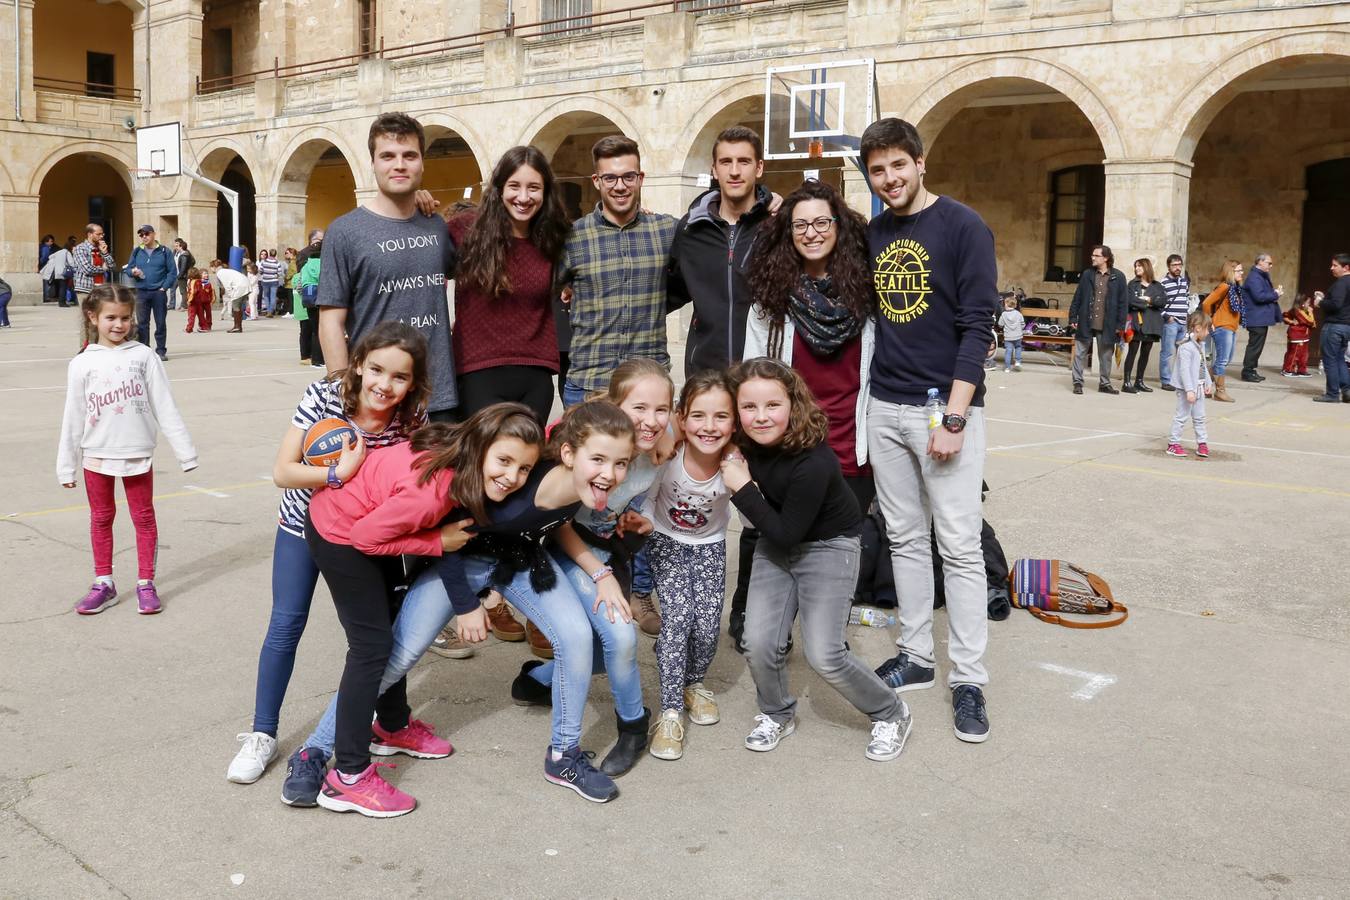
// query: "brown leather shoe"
[[539, 645], [504, 625], [646, 614]]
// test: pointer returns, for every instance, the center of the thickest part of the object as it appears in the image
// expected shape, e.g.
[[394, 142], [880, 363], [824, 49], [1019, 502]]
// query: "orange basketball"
[[325, 439]]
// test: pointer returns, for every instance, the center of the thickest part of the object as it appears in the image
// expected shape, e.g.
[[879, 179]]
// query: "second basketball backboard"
[[818, 110]]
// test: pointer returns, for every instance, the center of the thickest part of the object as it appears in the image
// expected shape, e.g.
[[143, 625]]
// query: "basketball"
[[325, 439]]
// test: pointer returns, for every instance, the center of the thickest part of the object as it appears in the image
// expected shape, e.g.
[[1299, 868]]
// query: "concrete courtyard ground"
[[1197, 751]]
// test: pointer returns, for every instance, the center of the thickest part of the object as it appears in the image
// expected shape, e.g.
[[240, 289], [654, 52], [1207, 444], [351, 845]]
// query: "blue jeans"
[[151, 302], [1224, 339], [616, 643], [1334, 341], [1009, 349], [267, 294], [572, 394], [294, 575], [4, 309], [557, 613], [1173, 332]]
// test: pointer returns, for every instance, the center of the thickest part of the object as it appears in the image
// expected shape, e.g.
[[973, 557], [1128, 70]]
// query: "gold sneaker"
[[701, 705], [667, 736]]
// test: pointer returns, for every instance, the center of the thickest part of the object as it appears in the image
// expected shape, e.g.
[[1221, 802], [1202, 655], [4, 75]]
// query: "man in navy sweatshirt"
[[153, 267], [936, 282]]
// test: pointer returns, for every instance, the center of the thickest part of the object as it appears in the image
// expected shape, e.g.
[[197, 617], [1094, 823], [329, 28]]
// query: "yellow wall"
[[447, 177], [332, 192], [63, 208], [59, 44]]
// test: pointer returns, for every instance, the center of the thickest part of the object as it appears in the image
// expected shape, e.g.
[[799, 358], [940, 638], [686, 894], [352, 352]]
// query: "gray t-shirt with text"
[[379, 269]]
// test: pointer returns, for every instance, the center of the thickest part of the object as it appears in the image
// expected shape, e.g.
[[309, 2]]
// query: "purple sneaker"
[[147, 599], [100, 597]]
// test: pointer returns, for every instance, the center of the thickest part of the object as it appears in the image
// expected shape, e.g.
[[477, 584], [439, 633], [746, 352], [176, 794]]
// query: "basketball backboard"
[[158, 149], [818, 110]]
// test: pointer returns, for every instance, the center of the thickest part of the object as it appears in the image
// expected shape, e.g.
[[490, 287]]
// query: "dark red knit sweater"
[[512, 330]]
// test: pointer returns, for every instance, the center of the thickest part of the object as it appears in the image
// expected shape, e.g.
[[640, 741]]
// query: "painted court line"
[[206, 491], [1094, 682], [1089, 437], [1159, 436], [61, 387], [177, 355], [194, 492]]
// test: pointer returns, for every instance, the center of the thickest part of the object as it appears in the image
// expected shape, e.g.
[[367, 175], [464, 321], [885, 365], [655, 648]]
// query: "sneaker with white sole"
[[767, 733], [252, 759], [701, 705], [370, 795], [888, 738], [449, 645], [969, 719], [667, 737]]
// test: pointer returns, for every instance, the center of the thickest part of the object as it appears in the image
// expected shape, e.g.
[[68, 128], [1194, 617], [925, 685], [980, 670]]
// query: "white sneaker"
[[767, 733], [888, 738], [252, 758]]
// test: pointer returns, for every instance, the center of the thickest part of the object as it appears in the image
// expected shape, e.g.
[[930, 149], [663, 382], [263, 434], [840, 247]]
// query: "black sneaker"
[[902, 675], [305, 771], [1078, 389], [574, 770], [969, 719], [1106, 389], [527, 691], [1167, 386]]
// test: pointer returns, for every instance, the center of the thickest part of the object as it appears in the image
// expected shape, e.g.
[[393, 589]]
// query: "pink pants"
[[140, 490]]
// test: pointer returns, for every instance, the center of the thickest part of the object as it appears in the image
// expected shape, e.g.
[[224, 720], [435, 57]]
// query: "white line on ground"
[[308, 373], [1086, 437], [1159, 436], [202, 490], [176, 355], [1096, 682]]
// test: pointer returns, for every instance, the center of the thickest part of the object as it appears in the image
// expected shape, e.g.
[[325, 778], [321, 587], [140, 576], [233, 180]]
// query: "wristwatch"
[[954, 423], [334, 481]]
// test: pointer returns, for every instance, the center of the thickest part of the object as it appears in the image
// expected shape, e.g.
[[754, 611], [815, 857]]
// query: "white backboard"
[[158, 148], [818, 110]]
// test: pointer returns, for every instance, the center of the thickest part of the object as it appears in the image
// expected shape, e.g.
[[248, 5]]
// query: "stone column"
[[18, 247], [1146, 209], [281, 220], [175, 59], [197, 226]]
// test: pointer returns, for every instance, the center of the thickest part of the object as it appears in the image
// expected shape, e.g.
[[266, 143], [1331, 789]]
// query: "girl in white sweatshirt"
[[117, 402]]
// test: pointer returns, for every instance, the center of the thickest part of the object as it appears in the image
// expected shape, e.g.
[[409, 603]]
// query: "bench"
[[1060, 315]]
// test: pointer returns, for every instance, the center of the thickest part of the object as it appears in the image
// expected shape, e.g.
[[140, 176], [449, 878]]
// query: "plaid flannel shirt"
[[85, 270], [618, 280]]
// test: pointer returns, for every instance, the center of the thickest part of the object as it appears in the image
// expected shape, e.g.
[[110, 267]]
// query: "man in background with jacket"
[[1098, 314], [1261, 311], [155, 272]]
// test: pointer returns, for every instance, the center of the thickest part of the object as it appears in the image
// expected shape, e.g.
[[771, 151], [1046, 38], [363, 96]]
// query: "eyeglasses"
[[628, 178], [821, 225]]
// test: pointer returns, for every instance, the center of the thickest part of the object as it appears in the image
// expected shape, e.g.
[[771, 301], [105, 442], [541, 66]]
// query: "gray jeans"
[[815, 580], [1195, 412], [914, 490], [1106, 349]]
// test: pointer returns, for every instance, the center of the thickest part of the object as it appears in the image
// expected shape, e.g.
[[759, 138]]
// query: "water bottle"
[[874, 618], [935, 409]]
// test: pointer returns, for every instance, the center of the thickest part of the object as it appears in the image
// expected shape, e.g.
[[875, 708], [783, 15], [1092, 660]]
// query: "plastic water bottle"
[[866, 615], [935, 408]]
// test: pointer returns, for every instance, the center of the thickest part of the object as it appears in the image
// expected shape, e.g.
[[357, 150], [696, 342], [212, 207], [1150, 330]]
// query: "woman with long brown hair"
[[1224, 306]]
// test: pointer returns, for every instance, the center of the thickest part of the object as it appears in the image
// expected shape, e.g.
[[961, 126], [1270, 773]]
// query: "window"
[[550, 10], [696, 5], [365, 28], [222, 53], [1077, 196], [99, 75]]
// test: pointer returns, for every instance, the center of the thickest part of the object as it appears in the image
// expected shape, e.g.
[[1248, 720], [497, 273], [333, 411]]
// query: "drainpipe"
[[145, 96], [18, 72]]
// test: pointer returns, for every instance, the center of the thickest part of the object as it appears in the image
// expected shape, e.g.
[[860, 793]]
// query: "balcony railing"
[[87, 88], [552, 28]]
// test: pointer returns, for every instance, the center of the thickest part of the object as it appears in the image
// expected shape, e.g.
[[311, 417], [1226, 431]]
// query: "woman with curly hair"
[[506, 347], [813, 310]]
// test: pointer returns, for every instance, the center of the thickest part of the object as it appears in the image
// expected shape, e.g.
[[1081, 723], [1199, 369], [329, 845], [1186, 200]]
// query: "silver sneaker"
[[888, 738], [767, 733]]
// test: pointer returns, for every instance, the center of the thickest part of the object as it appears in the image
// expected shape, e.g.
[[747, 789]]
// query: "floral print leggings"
[[691, 581]]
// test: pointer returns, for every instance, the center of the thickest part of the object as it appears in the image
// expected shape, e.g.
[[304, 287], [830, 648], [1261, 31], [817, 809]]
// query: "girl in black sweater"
[[789, 485]]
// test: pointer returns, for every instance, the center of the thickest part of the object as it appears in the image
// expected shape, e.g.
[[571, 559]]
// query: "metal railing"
[[86, 88], [552, 28]]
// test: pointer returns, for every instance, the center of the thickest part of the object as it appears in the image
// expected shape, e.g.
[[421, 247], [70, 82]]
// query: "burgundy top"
[[513, 330], [834, 382]]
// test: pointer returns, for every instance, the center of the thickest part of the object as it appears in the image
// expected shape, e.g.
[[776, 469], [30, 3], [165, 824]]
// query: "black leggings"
[[1140, 347], [531, 385], [310, 348], [363, 593]]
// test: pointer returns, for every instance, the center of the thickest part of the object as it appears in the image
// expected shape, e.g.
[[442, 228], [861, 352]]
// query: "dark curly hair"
[[778, 266], [807, 423], [482, 263]]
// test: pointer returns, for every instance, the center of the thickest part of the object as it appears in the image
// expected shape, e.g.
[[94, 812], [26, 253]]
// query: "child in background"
[[117, 402], [197, 301], [251, 271], [807, 558], [1300, 320], [1013, 325], [1193, 384], [689, 509], [5, 293]]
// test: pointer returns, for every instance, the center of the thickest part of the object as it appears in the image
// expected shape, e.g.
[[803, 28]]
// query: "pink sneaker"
[[100, 597], [147, 599], [416, 739], [370, 796], [1202, 451], [1175, 450]]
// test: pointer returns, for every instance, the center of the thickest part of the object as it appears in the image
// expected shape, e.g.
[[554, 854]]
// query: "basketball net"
[[143, 177]]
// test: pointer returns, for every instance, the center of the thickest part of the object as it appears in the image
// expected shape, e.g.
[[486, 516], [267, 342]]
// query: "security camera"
[[129, 123], [657, 92]]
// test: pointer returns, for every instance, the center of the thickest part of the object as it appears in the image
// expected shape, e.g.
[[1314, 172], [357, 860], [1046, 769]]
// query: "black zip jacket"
[[708, 266]]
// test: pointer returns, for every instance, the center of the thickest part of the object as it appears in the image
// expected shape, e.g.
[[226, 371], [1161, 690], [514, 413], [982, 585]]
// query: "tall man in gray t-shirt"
[[386, 260]]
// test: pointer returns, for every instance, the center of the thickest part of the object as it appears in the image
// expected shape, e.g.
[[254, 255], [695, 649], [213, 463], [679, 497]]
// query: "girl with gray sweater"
[[1193, 384]]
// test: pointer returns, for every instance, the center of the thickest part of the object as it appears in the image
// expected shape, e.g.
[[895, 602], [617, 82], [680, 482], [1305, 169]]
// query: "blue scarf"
[[1235, 299]]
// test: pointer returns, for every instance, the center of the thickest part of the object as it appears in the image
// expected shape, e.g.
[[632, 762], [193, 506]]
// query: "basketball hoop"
[[143, 177]]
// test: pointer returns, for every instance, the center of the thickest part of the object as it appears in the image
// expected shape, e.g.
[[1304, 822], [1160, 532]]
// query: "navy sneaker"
[[971, 723], [574, 770], [902, 675], [305, 771]]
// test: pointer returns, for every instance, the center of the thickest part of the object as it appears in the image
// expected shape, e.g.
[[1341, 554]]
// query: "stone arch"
[[1209, 94], [551, 127], [438, 124], [935, 106], [716, 113], [214, 159], [119, 158], [299, 157], [566, 139]]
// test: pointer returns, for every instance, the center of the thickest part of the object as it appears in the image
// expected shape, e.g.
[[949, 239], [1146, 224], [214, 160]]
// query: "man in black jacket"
[[1336, 331], [1097, 313]]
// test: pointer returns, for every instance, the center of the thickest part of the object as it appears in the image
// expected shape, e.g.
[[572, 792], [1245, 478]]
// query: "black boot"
[[526, 691], [632, 741], [1141, 387], [736, 628]]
